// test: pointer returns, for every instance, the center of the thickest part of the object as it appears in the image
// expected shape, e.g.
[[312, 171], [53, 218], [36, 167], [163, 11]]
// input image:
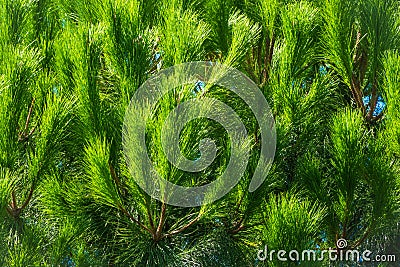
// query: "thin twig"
[[150, 216], [161, 222], [249, 69], [357, 94], [28, 118], [238, 226], [23, 136], [114, 174], [29, 197], [183, 228], [133, 219], [14, 200], [362, 239]]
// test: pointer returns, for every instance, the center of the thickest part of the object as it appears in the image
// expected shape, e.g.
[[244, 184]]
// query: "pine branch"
[[14, 200], [118, 182]]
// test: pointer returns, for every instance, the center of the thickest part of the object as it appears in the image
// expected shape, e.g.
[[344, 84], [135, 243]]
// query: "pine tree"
[[330, 71]]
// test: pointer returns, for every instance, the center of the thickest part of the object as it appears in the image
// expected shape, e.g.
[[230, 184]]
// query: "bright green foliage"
[[68, 70], [391, 85], [287, 220]]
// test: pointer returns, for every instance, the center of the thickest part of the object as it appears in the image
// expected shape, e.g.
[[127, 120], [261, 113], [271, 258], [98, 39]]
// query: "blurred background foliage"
[[330, 71]]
